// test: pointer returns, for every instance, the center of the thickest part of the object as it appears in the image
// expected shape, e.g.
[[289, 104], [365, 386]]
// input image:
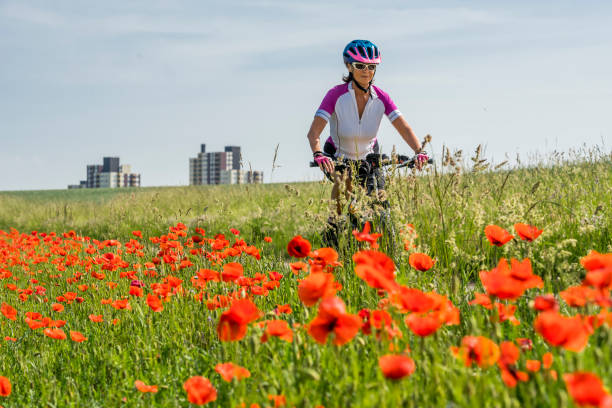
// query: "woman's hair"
[[347, 78]]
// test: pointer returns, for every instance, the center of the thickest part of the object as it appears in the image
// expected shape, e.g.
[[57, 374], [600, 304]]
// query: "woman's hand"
[[324, 162], [420, 159]]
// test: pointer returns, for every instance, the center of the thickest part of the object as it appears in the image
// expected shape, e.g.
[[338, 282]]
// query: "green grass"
[[449, 208]]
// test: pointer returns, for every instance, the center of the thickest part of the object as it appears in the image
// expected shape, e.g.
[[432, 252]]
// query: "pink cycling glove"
[[321, 159], [422, 157]]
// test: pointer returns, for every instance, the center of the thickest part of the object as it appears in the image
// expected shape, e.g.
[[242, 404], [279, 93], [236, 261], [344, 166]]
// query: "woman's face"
[[362, 76]]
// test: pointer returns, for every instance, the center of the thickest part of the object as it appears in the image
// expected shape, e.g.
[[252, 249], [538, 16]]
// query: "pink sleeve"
[[390, 108], [328, 105]]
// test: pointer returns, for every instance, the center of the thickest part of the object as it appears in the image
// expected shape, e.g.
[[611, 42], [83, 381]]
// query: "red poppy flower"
[[298, 247], [599, 278], [571, 333], [208, 275], [231, 272], [585, 388], [380, 319], [482, 300], [365, 236], [421, 262], [594, 260], [57, 307], [424, 325], [510, 282], [121, 304], [527, 232], [377, 259], [279, 400], [332, 318], [395, 366], [509, 354], [479, 350], [233, 322], [136, 291], [376, 278], [96, 318], [497, 235], [522, 271], [511, 376], [579, 296], [57, 334], [324, 257], [298, 266], [57, 323], [77, 336], [533, 365], [545, 302], [142, 387], [277, 328], [283, 309], [547, 360], [599, 269], [268, 239], [5, 387], [229, 371], [376, 268], [412, 300], [37, 324], [506, 313], [33, 315], [8, 311], [200, 391], [316, 286], [154, 303]]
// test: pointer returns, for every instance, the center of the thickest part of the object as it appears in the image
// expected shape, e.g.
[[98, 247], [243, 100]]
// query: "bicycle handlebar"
[[378, 160]]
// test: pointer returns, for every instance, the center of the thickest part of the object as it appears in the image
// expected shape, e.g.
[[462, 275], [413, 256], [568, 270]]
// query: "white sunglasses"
[[360, 66]]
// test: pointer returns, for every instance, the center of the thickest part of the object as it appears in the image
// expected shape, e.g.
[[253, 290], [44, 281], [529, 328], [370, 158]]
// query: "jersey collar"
[[372, 91]]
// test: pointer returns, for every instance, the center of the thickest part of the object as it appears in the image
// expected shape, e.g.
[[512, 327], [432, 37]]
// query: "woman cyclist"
[[354, 110]]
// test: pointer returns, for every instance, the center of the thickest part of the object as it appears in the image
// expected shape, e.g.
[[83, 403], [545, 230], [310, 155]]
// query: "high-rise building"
[[111, 164], [110, 174], [236, 156], [220, 168]]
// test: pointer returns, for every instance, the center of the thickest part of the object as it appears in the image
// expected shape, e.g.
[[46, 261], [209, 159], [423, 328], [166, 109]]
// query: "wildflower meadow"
[[493, 290]]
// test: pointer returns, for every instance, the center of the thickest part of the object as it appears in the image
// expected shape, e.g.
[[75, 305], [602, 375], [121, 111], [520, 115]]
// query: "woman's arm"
[[316, 128], [407, 134]]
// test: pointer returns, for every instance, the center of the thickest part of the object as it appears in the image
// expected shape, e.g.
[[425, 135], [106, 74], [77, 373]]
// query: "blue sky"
[[150, 80]]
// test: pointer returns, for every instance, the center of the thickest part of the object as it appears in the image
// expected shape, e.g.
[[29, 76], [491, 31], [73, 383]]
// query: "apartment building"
[[220, 168], [109, 174]]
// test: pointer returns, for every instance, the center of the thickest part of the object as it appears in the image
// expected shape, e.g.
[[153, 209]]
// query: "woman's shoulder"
[[384, 98], [380, 92]]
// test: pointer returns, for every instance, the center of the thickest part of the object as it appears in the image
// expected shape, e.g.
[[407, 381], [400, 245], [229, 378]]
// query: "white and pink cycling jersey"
[[354, 137]]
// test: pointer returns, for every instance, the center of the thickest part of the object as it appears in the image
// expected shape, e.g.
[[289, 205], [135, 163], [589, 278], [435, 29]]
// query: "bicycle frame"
[[366, 175]]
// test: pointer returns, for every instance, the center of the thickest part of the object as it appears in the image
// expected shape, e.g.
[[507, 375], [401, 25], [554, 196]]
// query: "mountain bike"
[[369, 174]]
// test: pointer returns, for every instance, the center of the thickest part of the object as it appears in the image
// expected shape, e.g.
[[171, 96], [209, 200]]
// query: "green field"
[[449, 206]]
